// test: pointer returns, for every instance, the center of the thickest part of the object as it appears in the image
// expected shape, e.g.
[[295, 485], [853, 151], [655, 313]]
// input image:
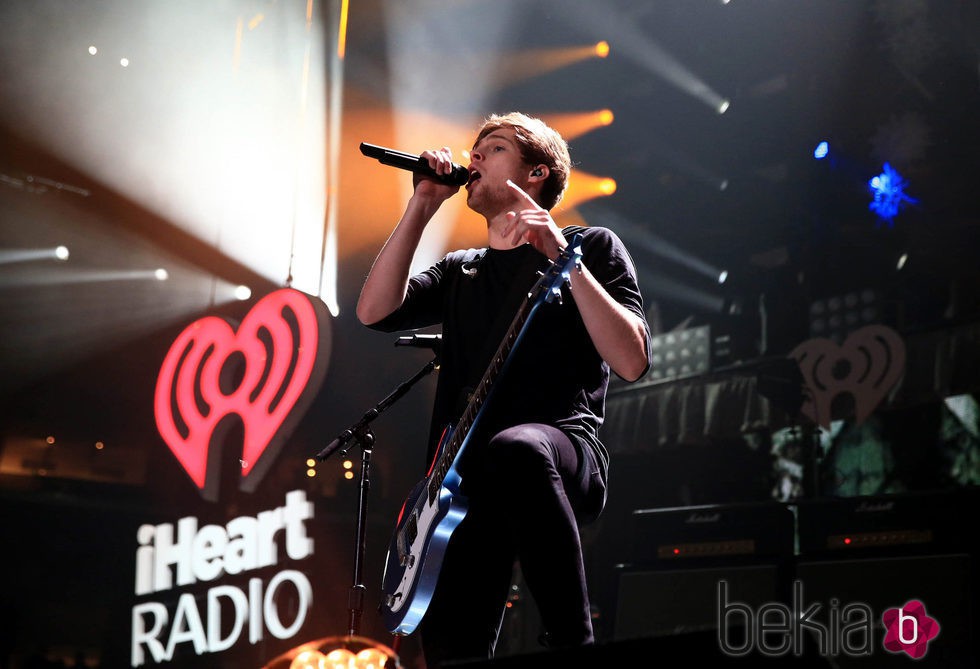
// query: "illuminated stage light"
[[342, 29], [242, 293], [310, 462], [888, 194], [99, 445], [161, 274], [349, 475], [639, 47], [49, 440], [583, 186], [574, 125], [124, 62], [901, 261], [723, 185], [311, 472], [92, 50], [513, 67], [823, 148], [651, 243], [11, 256]]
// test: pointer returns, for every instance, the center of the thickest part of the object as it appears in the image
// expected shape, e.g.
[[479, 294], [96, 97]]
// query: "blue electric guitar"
[[436, 506]]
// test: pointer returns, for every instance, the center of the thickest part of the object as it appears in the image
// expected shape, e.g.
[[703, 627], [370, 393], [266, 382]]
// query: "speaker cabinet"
[[653, 603], [943, 583]]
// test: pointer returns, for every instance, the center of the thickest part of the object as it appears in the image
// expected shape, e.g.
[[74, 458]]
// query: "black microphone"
[[459, 176], [430, 341]]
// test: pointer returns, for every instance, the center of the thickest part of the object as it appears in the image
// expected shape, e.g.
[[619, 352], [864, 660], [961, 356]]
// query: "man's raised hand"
[[533, 224]]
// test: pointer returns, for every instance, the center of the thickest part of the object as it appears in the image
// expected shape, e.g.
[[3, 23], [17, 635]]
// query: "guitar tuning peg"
[[556, 294], [539, 273]]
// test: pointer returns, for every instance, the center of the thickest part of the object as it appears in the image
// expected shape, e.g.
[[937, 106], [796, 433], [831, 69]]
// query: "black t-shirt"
[[554, 375]]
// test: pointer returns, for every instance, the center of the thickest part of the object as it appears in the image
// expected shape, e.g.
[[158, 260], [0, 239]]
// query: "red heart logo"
[[267, 373], [868, 364]]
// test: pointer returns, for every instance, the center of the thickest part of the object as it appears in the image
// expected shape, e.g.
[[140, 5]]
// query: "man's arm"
[[387, 282], [619, 335]]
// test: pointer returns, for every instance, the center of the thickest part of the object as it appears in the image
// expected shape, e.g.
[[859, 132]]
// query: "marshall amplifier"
[[681, 534], [682, 555], [885, 551], [913, 522]]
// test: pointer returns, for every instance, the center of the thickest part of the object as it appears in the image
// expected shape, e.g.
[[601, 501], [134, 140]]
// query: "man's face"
[[493, 160]]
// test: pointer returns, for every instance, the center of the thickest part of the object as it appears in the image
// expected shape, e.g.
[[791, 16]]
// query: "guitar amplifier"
[[669, 535], [913, 522]]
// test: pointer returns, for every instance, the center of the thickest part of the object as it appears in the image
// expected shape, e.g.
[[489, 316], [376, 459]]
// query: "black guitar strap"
[[509, 308], [516, 297], [518, 293]]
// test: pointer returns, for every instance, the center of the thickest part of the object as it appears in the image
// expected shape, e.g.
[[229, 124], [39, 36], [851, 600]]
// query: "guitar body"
[[436, 507], [418, 546]]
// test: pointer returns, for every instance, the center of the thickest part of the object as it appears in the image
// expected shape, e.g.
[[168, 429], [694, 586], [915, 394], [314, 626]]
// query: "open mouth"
[[474, 175]]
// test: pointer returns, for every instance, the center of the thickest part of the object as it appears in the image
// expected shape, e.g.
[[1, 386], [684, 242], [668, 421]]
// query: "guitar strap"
[[517, 295], [532, 263]]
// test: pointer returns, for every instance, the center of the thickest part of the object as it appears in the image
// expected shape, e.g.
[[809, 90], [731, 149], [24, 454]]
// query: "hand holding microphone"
[[458, 176]]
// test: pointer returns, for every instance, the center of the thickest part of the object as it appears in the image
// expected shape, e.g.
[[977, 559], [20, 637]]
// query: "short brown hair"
[[539, 144]]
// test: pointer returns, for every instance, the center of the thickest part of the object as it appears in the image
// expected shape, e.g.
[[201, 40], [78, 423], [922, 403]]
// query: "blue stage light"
[[823, 148], [888, 191]]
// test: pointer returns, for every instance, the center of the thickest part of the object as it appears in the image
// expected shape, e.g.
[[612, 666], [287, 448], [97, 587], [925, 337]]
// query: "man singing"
[[535, 468]]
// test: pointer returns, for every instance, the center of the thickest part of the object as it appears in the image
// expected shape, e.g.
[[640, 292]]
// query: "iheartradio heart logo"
[[266, 372], [866, 366]]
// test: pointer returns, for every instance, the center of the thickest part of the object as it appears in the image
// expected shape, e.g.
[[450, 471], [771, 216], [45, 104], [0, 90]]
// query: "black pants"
[[524, 493]]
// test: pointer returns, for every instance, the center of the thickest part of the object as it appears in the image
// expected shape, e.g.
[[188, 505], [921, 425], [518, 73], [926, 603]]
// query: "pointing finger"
[[520, 192]]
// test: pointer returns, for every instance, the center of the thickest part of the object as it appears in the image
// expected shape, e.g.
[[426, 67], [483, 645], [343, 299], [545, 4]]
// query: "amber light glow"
[[349, 652], [510, 68], [577, 124], [583, 187]]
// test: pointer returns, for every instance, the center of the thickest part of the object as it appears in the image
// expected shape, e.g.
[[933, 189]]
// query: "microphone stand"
[[360, 434]]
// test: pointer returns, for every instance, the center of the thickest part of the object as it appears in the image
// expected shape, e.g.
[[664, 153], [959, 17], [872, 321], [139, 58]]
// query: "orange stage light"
[[583, 186], [577, 124], [521, 65]]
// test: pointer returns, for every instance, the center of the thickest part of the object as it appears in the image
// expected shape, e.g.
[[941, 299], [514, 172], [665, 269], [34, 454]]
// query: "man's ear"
[[540, 172]]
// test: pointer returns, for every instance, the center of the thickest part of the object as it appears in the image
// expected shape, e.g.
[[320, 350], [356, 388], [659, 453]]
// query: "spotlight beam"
[[135, 218], [657, 245], [638, 47], [49, 278], [667, 289], [12, 256]]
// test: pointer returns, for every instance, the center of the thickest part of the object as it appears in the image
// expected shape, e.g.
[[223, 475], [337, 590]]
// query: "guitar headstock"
[[552, 279]]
